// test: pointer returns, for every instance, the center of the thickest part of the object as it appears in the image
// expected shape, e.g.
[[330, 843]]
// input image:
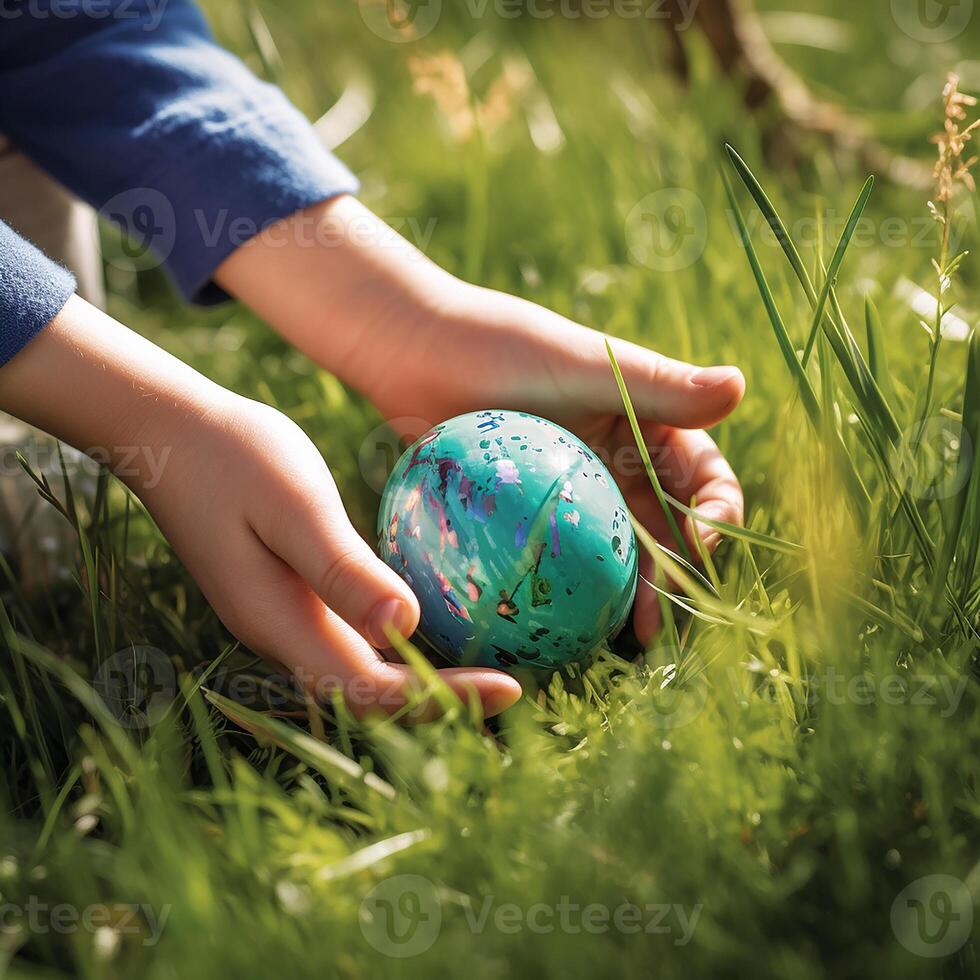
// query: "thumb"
[[493, 690], [669, 391], [323, 653], [363, 596], [326, 652], [317, 540]]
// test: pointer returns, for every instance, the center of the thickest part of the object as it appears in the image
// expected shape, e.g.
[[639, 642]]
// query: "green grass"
[[800, 744]]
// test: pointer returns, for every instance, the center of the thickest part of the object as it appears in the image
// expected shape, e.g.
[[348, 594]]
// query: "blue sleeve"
[[132, 105], [33, 289]]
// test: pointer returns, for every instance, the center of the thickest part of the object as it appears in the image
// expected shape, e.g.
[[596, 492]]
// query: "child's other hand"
[[421, 344], [250, 507], [489, 350], [245, 499]]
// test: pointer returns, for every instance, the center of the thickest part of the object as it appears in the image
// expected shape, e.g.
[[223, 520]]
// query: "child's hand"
[[422, 344], [249, 505], [493, 350], [244, 498]]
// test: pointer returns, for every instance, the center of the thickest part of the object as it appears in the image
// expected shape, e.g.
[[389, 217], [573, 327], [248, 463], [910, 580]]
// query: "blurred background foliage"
[[514, 150]]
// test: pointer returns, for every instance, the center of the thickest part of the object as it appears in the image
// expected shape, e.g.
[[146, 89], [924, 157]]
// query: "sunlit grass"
[[798, 745]]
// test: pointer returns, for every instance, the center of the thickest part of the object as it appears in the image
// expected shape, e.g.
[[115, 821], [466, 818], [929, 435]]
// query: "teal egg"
[[515, 539]]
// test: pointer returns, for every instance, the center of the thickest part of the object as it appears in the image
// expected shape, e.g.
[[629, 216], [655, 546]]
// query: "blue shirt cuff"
[[33, 290], [164, 132]]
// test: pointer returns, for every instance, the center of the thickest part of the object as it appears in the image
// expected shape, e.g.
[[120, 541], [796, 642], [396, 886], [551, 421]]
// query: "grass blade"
[[807, 394], [707, 602], [317, 755], [645, 456], [772, 217], [963, 534], [876, 347], [835, 264]]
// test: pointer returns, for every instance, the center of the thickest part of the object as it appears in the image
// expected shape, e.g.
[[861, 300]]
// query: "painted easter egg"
[[515, 539]]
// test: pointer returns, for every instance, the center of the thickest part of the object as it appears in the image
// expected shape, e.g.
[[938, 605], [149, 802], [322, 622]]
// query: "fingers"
[[689, 465], [702, 472], [281, 618], [326, 598], [328, 653], [311, 532], [669, 391], [646, 608]]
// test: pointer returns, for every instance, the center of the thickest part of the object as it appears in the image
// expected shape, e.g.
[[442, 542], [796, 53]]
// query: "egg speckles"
[[514, 538]]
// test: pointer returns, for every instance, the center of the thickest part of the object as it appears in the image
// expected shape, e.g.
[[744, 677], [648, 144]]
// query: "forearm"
[[100, 387], [331, 279], [136, 110]]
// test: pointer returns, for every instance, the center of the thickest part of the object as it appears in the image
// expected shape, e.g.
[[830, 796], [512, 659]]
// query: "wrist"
[[339, 284], [97, 386]]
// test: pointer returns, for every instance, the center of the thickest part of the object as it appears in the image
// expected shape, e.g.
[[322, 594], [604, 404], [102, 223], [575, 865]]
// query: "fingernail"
[[712, 377], [391, 613], [714, 512], [499, 701]]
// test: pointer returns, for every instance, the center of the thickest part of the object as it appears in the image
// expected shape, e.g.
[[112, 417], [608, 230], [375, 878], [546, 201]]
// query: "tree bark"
[[735, 34]]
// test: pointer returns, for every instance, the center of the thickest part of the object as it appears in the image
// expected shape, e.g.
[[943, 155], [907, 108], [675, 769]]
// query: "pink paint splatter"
[[449, 596], [413, 500], [473, 588], [507, 473], [572, 516], [446, 532], [423, 442]]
